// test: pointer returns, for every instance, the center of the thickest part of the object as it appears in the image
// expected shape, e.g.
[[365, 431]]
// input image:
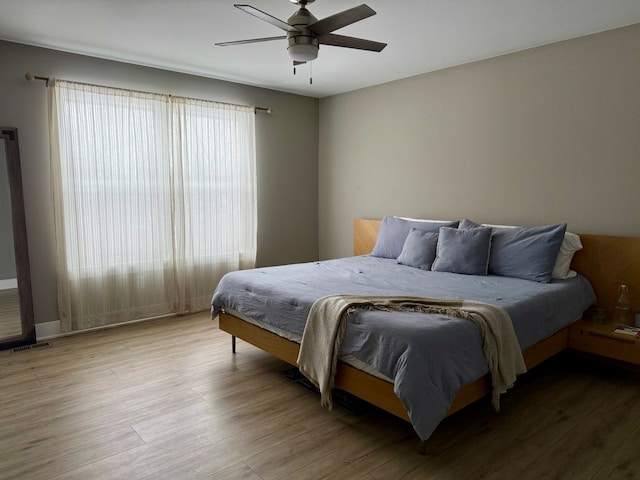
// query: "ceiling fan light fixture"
[[303, 48], [303, 53]]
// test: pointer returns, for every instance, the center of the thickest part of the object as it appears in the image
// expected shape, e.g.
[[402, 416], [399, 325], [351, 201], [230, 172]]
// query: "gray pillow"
[[569, 246], [394, 230], [466, 223], [419, 249], [463, 251], [526, 252]]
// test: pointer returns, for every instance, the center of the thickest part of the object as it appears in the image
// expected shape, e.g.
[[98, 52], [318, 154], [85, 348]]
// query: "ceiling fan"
[[305, 33]]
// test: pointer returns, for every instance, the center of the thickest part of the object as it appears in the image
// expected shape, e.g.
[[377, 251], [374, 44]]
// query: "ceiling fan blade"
[[252, 40], [342, 19], [265, 17], [297, 62], [351, 42]]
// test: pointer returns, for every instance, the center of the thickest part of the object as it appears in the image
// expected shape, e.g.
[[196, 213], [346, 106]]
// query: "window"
[[154, 198]]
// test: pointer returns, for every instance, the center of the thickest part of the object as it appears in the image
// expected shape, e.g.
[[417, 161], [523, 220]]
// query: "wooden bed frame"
[[605, 260]]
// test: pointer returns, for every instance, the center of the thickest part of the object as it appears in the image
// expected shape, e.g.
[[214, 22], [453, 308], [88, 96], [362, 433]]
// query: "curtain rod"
[[30, 77]]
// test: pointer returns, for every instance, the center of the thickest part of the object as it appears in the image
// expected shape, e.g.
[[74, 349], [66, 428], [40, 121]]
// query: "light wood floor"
[[167, 399]]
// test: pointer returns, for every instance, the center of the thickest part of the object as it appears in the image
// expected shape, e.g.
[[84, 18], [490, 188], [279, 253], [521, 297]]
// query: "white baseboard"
[[8, 284], [47, 330]]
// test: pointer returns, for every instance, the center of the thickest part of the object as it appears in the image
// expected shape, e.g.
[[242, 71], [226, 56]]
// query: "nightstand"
[[586, 336]]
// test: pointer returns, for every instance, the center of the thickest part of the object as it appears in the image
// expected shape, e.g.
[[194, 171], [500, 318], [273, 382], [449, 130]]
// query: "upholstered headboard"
[[607, 261]]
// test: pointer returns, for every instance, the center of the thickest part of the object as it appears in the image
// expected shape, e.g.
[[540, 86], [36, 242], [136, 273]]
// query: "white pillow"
[[422, 219], [570, 245]]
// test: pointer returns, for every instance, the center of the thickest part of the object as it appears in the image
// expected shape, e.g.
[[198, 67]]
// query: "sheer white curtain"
[[154, 200], [215, 196]]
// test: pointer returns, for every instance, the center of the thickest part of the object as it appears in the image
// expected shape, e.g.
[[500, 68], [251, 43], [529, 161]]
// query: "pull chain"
[[310, 72]]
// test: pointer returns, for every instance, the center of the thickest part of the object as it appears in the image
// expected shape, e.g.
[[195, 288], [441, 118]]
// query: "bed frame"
[[605, 260]]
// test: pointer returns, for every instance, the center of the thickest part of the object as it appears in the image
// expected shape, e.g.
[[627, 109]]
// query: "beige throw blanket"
[[325, 328]]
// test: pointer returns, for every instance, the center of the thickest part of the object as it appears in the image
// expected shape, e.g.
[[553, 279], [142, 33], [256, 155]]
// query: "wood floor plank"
[[238, 471], [508, 432], [295, 453], [168, 399], [55, 453], [624, 463], [593, 437], [364, 449]]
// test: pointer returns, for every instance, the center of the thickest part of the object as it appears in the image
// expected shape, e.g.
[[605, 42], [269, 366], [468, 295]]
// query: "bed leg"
[[422, 450], [233, 344]]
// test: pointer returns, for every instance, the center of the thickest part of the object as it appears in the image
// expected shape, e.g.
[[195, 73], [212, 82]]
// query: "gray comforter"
[[326, 326], [428, 356]]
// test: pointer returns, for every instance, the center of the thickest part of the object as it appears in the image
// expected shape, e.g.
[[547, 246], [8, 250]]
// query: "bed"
[[597, 261]]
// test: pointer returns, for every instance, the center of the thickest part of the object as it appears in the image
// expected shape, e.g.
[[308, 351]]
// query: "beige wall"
[[550, 134], [287, 177]]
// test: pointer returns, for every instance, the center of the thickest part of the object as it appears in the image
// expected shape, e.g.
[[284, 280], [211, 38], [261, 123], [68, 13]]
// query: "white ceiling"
[[422, 35]]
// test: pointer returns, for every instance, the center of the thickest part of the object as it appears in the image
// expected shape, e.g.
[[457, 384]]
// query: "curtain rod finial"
[[30, 77]]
